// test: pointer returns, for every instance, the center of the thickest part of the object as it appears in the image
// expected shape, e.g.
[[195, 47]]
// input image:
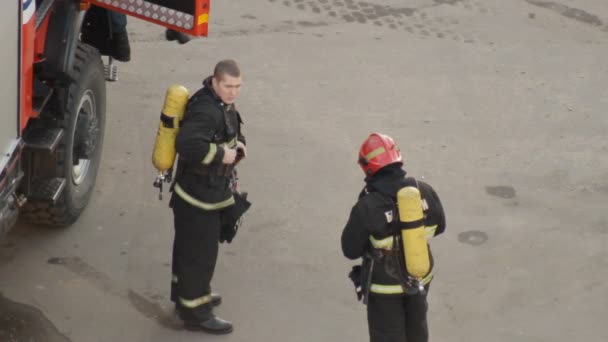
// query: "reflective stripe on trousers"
[[193, 303]]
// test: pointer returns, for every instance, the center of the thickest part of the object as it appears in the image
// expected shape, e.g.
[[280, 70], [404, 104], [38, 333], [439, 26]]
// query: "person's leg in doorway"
[[121, 49]]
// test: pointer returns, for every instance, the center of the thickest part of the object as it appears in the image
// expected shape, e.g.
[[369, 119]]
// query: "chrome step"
[[46, 189], [110, 71], [43, 138]]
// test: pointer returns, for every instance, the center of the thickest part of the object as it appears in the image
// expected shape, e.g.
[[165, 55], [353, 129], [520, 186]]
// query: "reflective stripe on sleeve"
[[430, 231], [232, 143], [211, 154]]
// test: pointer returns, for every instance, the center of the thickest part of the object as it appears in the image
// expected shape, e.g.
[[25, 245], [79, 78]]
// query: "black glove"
[[232, 217], [355, 277], [227, 233]]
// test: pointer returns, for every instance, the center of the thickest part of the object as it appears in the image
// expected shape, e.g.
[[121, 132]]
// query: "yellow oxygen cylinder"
[[174, 107], [413, 236]]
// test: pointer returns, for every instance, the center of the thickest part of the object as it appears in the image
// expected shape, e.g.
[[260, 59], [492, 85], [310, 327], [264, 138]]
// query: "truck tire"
[[79, 152]]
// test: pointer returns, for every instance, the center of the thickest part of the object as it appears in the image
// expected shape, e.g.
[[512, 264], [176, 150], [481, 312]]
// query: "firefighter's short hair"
[[226, 67]]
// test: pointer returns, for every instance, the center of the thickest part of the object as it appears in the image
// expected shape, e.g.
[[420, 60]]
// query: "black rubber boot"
[[172, 35], [213, 325], [121, 49]]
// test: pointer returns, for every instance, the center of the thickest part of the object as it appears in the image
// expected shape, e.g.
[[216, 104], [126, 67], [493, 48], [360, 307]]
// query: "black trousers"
[[397, 318], [195, 249]]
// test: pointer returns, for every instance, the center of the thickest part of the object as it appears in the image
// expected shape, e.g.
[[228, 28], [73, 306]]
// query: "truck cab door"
[[188, 16]]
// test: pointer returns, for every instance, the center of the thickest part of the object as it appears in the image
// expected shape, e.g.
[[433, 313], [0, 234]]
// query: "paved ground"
[[499, 104]]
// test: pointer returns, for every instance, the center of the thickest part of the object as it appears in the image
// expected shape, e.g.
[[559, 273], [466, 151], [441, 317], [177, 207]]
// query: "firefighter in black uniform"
[[396, 302], [209, 145]]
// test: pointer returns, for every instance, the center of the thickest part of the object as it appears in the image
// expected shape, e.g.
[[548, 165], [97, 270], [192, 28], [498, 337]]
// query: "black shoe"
[[172, 35], [213, 325], [121, 49]]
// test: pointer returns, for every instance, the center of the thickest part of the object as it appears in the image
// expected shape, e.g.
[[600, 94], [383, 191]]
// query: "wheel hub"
[[85, 137]]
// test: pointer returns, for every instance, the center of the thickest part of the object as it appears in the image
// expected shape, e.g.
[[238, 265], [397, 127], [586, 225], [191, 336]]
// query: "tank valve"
[[162, 177]]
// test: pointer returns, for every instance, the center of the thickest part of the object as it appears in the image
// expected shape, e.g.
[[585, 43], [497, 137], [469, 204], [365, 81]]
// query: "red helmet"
[[378, 151]]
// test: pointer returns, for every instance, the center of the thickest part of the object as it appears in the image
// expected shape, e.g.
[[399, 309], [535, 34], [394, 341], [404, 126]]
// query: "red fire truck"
[[53, 93]]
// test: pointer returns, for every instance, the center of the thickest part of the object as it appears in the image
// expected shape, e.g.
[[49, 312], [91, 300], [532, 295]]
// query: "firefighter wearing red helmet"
[[396, 301]]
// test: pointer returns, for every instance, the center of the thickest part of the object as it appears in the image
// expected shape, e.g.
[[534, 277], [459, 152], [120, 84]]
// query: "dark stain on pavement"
[[305, 23], [350, 10], [7, 252], [601, 226], [569, 12], [473, 237], [154, 311], [390, 16], [144, 306], [501, 191], [283, 26], [88, 272], [603, 188], [449, 2], [25, 323]]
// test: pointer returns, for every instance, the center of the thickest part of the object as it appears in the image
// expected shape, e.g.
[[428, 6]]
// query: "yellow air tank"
[[413, 236], [174, 107]]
